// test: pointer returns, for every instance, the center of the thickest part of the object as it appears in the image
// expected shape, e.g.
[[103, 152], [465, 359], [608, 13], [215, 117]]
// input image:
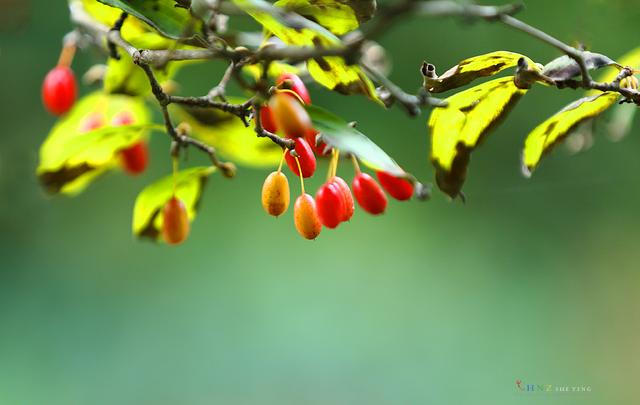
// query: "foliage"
[[327, 41]]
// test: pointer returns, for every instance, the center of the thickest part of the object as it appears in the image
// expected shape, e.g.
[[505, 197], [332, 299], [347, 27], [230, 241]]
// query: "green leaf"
[[164, 16], [189, 184], [564, 67], [338, 134], [554, 130], [471, 69], [337, 16], [460, 127], [72, 157], [331, 72], [229, 136]]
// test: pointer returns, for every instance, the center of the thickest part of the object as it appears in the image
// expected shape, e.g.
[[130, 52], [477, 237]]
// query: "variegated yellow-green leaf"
[[188, 185], [623, 116], [338, 16], [631, 58], [471, 69], [337, 133], [229, 136], [554, 130], [83, 144], [275, 70], [125, 77], [331, 72], [164, 16], [138, 33], [459, 128]]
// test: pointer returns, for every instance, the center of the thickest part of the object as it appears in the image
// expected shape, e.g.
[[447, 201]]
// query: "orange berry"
[[289, 115], [275, 194], [175, 226], [305, 217]]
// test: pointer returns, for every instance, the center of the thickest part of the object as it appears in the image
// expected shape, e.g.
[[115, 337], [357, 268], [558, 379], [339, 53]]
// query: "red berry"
[[347, 197], [319, 149], [305, 156], [290, 117], [135, 158], [296, 85], [175, 225], [330, 203], [122, 118], [369, 194], [305, 217], [91, 122], [266, 118], [398, 188], [59, 90]]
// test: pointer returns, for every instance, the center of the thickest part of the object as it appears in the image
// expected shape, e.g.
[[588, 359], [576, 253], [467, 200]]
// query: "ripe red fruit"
[[330, 204], [135, 158], [267, 120], [305, 156], [346, 196], [398, 188], [290, 117], [305, 217], [175, 226], [369, 194], [296, 85], [59, 90]]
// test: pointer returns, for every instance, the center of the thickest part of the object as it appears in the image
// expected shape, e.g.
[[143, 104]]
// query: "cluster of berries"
[[59, 93], [334, 202]]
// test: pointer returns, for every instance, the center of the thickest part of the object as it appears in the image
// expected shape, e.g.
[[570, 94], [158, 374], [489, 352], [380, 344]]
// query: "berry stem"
[[67, 54], [301, 177], [175, 171], [286, 150], [333, 167], [356, 165], [291, 93]]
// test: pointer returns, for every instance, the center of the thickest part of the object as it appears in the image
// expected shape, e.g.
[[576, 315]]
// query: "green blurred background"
[[433, 302]]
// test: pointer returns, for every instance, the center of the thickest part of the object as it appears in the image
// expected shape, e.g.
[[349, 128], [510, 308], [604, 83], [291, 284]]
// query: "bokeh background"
[[434, 302]]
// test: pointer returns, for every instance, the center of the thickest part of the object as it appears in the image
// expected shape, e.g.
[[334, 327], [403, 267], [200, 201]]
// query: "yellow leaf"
[[554, 130], [189, 184], [338, 16], [473, 68], [76, 152], [459, 128], [125, 77], [631, 58], [275, 69], [229, 136], [137, 32], [331, 72]]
